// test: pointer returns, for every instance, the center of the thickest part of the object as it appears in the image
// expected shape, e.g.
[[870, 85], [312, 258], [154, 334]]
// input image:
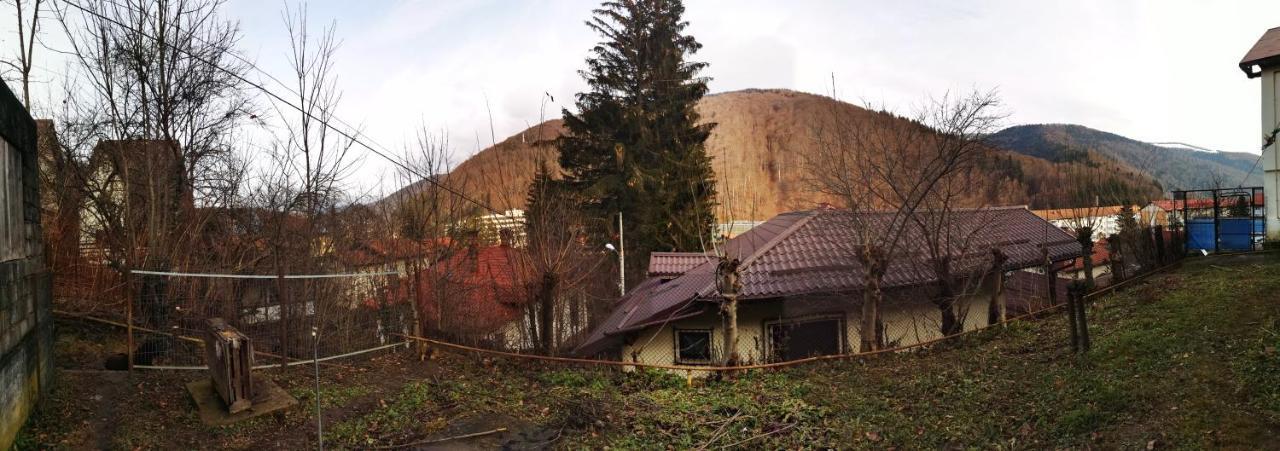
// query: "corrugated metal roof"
[[1265, 53], [811, 252]]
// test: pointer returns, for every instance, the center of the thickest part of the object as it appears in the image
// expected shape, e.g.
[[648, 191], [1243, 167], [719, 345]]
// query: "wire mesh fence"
[[492, 307], [289, 318]]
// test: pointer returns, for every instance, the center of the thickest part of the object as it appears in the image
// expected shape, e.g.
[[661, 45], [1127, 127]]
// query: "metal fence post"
[[128, 314]]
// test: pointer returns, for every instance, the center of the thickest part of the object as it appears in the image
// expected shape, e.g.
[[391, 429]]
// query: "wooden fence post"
[[1051, 277], [1158, 230], [1071, 315]]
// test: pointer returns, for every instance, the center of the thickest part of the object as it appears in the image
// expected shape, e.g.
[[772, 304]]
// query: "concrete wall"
[[26, 325], [1270, 157], [908, 320]]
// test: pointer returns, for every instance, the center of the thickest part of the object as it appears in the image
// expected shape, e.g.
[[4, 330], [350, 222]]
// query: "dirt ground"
[[93, 408]]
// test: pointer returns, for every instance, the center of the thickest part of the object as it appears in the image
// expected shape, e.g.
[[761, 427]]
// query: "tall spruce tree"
[[635, 146]]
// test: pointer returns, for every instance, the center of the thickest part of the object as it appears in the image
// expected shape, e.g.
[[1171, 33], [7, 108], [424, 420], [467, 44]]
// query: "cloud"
[[1160, 70]]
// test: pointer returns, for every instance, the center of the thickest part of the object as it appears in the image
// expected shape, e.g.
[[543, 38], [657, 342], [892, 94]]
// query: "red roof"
[[669, 264], [474, 291], [1202, 203], [809, 252], [1101, 255], [381, 251], [1264, 53]]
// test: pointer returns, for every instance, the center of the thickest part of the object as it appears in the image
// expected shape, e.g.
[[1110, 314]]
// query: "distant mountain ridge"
[[1174, 167]]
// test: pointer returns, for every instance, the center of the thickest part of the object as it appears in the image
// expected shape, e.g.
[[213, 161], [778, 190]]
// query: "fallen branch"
[[761, 435], [441, 440], [716, 435]]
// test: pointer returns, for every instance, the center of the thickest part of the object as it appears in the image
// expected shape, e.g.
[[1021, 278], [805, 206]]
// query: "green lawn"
[[1184, 360]]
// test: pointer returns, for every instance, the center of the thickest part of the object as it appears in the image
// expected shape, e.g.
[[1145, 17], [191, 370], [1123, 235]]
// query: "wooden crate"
[[230, 357]]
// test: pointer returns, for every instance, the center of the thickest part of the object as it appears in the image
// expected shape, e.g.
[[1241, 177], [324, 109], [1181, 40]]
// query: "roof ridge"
[[809, 215]]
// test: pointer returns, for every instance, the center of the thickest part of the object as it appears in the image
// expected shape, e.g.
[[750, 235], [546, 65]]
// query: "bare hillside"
[[758, 148]]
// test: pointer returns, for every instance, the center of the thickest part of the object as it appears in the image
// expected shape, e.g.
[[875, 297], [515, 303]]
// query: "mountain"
[[1175, 167], [758, 149]]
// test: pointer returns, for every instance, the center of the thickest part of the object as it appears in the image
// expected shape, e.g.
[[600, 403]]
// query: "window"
[[693, 346]]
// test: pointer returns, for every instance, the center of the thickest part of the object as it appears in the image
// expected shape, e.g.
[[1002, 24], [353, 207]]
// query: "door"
[[800, 338]]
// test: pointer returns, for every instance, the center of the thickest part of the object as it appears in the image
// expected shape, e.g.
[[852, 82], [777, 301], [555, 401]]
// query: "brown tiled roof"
[[809, 252], [1265, 53], [670, 264]]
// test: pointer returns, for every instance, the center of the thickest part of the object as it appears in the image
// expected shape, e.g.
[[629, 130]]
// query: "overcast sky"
[[1155, 70]]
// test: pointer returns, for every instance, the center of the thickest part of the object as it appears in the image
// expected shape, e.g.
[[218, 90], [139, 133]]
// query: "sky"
[[479, 71]]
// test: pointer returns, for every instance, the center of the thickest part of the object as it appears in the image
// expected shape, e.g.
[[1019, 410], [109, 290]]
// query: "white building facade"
[[1263, 61]]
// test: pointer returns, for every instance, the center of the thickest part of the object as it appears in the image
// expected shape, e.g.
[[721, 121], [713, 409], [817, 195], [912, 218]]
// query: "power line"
[[277, 97]]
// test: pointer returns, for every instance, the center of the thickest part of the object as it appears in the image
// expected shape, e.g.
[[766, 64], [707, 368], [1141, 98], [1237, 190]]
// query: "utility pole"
[[622, 260]]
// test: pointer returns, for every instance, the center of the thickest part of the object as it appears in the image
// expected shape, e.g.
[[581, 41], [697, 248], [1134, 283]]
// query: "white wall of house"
[[1270, 157], [1103, 226], [907, 322]]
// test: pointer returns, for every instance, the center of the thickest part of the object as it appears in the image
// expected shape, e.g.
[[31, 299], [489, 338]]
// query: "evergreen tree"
[[635, 147]]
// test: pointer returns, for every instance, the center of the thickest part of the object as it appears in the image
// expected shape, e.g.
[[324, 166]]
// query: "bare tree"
[[877, 162], [28, 30], [951, 243], [148, 131]]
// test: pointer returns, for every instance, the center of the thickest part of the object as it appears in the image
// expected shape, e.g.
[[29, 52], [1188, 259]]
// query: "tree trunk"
[[546, 313], [731, 331], [870, 332], [1084, 236]]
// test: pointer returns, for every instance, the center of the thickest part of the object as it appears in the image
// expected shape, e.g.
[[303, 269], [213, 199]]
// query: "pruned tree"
[[951, 152], [899, 170], [561, 265]]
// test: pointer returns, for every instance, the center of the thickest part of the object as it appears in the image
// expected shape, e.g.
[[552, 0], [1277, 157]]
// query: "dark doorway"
[[798, 339]]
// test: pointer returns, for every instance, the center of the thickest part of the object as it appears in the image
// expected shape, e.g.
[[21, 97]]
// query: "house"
[[802, 284], [136, 186], [1104, 220], [477, 295], [26, 321], [1263, 61]]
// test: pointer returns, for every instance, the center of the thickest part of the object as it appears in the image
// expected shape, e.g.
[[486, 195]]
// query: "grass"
[[1186, 360]]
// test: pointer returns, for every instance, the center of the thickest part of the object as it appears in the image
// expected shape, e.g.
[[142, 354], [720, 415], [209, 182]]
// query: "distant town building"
[[491, 227], [1104, 220]]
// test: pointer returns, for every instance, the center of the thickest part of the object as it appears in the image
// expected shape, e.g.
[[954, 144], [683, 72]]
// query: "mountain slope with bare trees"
[[758, 149]]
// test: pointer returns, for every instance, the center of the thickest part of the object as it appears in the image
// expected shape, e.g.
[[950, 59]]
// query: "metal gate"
[[1222, 220]]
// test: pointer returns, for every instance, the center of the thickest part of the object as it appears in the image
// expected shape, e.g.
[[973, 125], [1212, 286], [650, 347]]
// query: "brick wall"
[[26, 324]]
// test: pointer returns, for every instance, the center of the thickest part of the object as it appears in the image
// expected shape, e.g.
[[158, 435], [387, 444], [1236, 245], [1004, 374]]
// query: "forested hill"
[[1174, 167]]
